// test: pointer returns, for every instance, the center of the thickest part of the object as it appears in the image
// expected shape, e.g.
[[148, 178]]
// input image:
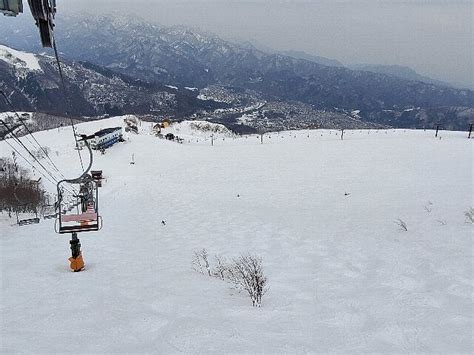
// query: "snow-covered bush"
[[221, 269], [245, 273], [201, 262]]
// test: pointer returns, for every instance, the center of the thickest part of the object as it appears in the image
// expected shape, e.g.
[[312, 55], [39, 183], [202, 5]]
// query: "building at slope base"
[[105, 138]]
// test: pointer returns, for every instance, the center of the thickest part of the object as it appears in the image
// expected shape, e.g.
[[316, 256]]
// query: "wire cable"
[[31, 134], [54, 180], [34, 167], [58, 61], [21, 155], [26, 148]]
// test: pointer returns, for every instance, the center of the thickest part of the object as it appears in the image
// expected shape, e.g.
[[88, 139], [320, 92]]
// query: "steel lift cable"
[[68, 104], [31, 164], [31, 134], [21, 155], [26, 148]]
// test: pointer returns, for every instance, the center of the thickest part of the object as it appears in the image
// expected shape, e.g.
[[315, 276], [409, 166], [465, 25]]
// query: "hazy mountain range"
[[32, 83], [142, 59]]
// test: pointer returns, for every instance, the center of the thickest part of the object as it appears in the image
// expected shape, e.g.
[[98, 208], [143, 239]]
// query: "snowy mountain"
[[32, 83], [319, 210], [21, 61], [399, 71], [184, 57], [312, 58]]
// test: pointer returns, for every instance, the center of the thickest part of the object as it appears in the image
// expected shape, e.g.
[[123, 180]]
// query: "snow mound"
[[20, 60]]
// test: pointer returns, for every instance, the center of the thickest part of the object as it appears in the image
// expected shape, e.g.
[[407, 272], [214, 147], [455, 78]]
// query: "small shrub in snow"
[[244, 273], [201, 262], [401, 224], [247, 274], [469, 214], [221, 269]]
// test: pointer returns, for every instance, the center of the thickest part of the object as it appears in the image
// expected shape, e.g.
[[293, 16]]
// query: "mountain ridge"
[[92, 90], [400, 71], [180, 56]]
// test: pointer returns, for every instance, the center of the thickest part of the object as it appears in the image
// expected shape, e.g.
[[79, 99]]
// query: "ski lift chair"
[[84, 217], [78, 211]]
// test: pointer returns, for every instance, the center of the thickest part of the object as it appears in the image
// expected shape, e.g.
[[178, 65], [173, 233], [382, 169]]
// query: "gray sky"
[[434, 37]]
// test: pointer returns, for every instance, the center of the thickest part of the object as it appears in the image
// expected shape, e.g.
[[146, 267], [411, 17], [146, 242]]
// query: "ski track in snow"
[[342, 277]]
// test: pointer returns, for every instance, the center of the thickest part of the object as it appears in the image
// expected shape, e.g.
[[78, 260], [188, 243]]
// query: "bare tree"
[[247, 274], [201, 262], [18, 192], [221, 269]]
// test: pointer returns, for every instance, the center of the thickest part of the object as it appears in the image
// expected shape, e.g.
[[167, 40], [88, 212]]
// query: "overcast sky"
[[434, 37]]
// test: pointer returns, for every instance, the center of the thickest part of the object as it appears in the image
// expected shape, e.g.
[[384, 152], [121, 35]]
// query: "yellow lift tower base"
[[77, 263]]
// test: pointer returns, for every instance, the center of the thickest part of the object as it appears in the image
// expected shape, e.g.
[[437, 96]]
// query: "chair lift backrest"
[[85, 216], [88, 218]]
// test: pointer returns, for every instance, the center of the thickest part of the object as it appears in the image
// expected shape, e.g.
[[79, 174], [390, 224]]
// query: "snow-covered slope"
[[21, 60], [319, 210], [32, 83]]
